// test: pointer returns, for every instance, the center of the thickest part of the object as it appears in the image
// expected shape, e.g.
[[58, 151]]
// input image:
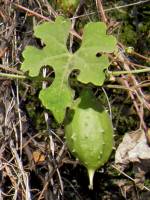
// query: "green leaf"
[[59, 95]]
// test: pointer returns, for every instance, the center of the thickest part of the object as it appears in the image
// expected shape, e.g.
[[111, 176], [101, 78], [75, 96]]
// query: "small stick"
[[32, 12], [101, 11]]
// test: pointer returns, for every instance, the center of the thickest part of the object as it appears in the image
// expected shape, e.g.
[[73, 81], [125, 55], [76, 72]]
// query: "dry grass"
[[30, 159]]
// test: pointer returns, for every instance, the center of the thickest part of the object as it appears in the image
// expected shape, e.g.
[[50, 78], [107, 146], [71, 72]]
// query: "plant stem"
[[17, 76], [13, 76], [137, 71], [117, 87], [115, 73]]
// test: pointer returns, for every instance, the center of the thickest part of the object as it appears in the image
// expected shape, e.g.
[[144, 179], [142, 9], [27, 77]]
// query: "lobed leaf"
[[59, 95]]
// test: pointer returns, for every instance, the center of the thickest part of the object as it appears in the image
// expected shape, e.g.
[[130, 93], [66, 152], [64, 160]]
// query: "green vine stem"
[[114, 73], [16, 76], [137, 71]]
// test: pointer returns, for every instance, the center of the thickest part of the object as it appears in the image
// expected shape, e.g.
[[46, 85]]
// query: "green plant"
[[90, 124]]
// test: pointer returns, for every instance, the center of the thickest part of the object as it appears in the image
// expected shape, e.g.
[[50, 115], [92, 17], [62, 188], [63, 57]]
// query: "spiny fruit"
[[89, 133], [68, 5]]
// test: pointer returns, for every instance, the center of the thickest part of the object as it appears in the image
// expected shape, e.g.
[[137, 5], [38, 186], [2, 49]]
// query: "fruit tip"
[[91, 176]]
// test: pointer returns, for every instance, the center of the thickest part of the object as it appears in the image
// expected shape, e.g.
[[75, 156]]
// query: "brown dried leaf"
[[38, 156], [134, 148]]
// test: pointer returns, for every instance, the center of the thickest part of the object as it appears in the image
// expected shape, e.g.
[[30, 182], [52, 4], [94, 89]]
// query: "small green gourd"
[[68, 5], [89, 133]]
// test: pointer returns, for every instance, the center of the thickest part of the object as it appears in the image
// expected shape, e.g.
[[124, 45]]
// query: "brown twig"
[[141, 56], [101, 11], [32, 12]]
